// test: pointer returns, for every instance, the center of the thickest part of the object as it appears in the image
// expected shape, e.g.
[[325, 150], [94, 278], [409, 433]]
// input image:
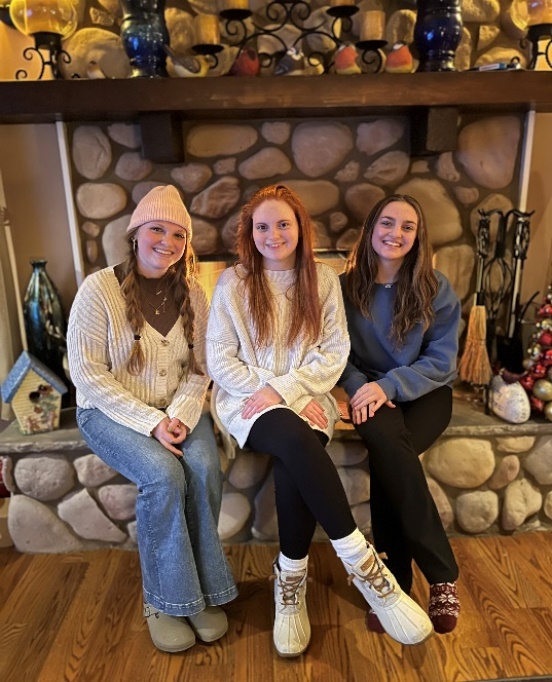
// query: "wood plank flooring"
[[77, 617]]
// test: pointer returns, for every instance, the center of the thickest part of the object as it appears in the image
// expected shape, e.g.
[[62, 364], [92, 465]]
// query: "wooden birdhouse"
[[34, 392]]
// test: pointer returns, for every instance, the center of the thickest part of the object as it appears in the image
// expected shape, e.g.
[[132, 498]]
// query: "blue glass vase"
[[45, 321], [437, 34], [144, 35]]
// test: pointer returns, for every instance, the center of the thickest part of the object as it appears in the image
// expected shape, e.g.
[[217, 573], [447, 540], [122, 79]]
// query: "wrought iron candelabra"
[[242, 30]]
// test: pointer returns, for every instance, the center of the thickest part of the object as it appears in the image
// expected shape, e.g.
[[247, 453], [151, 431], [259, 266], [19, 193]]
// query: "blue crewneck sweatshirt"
[[425, 362]]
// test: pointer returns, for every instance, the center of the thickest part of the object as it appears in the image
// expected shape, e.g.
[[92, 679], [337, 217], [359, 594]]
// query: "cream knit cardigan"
[[239, 367], [99, 341]]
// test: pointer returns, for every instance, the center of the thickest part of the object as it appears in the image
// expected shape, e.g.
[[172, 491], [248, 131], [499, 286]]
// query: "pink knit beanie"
[[161, 203]]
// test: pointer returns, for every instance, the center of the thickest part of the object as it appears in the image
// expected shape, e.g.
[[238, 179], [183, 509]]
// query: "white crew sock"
[[352, 548], [293, 565]]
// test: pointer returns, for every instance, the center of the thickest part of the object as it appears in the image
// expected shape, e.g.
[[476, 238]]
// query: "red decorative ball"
[[538, 371], [545, 310], [527, 382], [547, 357], [536, 404], [545, 339]]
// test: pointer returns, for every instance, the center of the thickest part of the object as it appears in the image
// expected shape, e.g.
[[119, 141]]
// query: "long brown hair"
[[416, 282], [179, 278], [306, 309]]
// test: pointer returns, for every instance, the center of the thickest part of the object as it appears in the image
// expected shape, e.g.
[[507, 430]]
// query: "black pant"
[[405, 522], [308, 487]]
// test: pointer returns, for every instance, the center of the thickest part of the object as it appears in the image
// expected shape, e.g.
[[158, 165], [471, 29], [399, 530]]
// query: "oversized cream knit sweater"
[[99, 341], [240, 367]]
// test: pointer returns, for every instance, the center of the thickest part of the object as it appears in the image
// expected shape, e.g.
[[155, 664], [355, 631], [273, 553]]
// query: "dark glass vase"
[[144, 35], [45, 322], [437, 34]]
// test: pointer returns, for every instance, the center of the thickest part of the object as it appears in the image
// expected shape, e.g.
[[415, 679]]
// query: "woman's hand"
[[260, 400], [170, 432], [367, 401], [315, 413]]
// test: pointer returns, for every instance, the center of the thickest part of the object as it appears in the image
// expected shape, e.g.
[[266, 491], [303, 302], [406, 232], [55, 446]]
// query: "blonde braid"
[[130, 289], [182, 276]]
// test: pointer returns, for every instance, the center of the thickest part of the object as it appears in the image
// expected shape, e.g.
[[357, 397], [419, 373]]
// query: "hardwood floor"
[[78, 617]]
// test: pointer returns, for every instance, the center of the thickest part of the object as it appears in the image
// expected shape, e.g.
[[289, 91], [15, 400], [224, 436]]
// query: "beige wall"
[[537, 273]]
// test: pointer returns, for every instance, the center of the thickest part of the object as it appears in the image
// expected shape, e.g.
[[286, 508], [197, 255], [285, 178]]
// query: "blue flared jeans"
[[184, 567]]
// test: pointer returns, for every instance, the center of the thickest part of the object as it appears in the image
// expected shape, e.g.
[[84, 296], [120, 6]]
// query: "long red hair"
[[306, 308]]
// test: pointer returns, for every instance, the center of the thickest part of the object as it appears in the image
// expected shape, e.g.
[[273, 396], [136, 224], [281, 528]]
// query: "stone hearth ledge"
[[486, 476]]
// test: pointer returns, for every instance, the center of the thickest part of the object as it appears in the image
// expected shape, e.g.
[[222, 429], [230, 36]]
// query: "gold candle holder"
[[233, 4]]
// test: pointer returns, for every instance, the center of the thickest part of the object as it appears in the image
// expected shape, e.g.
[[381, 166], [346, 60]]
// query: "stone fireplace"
[[341, 154], [486, 475]]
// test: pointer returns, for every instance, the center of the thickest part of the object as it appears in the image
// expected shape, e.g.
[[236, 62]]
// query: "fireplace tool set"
[[494, 329]]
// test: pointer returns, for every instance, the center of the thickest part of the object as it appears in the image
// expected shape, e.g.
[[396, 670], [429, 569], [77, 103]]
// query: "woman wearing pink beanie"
[[136, 343]]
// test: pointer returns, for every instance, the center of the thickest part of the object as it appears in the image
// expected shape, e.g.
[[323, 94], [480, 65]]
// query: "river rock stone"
[[93, 471], [234, 513], [460, 462], [206, 141], [360, 199], [362, 514], [521, 500], [119, 501], [44, 477], [318, 148], [492, 202], [547, 506], [487, 150], [100, 200], [441, 502], [276, 132], [125, 134], [457, 263], [349, 172], [266, 163], [140, 190], [464, 51], [218, 199], [318, 196], [477, 511], [84, 516], [375, 136], [91, 152], [192, 177], [230, 232], [539, 462], [348, 239], [132, 166], [388, 169], [265, 525], [205, 237], [466, 195], [92, 229], [35, 528], [506, 471], [225, 166], [444, 222], [248, 469], [356, 483], [446, 170], [346, 452], [114, 240], [515, 444]]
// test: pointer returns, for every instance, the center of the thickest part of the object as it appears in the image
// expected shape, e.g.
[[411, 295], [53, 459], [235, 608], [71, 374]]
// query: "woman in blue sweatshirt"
[[403, 322]]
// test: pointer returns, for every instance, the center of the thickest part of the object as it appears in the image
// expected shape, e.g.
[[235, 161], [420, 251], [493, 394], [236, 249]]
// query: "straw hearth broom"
[[475, 367]]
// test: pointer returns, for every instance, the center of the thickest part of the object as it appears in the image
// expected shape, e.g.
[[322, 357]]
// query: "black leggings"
[[405, 521], [308, 487]]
